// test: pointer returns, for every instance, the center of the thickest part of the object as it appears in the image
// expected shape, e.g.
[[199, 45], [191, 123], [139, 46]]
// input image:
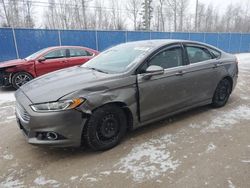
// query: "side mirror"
[[153, 70], [41, 59]]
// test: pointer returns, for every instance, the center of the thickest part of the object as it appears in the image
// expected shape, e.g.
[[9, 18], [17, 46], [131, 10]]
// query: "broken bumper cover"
[[37, 127], [4, 78]]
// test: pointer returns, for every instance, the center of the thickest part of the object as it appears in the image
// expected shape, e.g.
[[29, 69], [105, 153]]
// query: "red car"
[[19, 71]]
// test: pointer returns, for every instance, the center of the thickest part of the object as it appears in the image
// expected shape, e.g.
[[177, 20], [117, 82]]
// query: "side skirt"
[[203, 103]]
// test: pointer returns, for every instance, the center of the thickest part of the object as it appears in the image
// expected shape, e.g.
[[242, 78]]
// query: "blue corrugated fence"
[[19, 43]]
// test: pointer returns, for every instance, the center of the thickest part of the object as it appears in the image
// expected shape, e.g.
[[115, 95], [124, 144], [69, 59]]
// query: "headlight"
[[57, 106]]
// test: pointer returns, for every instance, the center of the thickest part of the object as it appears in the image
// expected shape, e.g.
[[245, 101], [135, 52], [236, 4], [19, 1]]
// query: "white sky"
[[219, 4]]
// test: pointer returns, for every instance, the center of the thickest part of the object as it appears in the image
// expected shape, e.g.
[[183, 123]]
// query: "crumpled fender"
[[122, 91]]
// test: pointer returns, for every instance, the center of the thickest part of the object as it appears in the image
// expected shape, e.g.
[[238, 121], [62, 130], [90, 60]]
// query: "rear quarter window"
[[79, 52], [198, 54], [216, 53]]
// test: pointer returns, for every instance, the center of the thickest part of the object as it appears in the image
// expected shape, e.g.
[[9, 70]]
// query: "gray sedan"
[[123, 88]]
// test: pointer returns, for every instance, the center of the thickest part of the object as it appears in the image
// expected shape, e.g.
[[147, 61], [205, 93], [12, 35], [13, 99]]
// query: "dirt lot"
[[204, 147]]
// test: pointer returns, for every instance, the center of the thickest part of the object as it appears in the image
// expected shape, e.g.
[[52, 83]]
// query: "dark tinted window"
[[197, 54], [168, 58], [56, 54], [78, 52]]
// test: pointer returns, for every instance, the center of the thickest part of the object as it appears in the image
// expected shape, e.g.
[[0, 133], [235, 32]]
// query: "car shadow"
[[7, 89], [180, 117]]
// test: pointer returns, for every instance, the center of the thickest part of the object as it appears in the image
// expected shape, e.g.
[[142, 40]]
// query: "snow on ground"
[[7, 107], [210, 148], [225, 120], [42, 181], [11, 181], [149, 159], [230, 184], [6, 96], [244, 61]]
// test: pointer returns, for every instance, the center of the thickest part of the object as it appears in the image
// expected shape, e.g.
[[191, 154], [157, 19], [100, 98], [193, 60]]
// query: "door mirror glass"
[[42, 59]]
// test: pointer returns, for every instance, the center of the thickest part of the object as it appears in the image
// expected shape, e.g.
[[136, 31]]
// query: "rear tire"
[[222, 93], [105, 128], [20, 79]]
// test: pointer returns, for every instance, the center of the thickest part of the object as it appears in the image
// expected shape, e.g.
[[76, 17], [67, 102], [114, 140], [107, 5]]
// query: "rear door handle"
[[179, 73]]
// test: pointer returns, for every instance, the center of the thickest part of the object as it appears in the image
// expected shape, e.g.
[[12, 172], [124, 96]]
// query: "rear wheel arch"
[[230, 79], [222, 92]]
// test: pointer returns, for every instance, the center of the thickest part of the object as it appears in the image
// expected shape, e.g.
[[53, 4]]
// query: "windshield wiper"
[[92, 68]]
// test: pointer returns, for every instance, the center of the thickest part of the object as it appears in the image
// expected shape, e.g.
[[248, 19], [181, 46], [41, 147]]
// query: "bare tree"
[[12, 13], [200, 16], [147, 10], [181, 11], [27, 13], [6, 15], [133, 8], [173, 5], [116, 15], [161, 14], [100, 18], [50, 16], [84, 7]]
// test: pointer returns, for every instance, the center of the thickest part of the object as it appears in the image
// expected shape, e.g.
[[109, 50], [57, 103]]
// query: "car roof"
[[56, 47], [155, 43]]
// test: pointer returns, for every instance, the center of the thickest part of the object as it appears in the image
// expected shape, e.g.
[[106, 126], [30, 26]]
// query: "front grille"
[[25, 131], [22, 113]]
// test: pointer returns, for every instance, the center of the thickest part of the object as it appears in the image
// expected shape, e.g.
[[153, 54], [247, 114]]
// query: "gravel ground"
[[204, 147]]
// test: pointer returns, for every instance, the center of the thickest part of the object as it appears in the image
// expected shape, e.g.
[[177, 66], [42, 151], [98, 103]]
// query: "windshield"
[[117, 59], [33, 56]]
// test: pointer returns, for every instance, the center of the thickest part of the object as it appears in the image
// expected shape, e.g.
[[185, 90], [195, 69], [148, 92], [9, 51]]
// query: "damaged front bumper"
[[54, 129], [4, 78]]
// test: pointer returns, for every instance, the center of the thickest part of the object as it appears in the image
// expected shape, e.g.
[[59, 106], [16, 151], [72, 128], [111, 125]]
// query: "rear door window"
[[78, 53], [198, 54]]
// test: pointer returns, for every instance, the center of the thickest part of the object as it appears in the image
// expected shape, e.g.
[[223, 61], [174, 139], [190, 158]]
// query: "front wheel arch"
[[18, 73], [89, 134], [125, 108]]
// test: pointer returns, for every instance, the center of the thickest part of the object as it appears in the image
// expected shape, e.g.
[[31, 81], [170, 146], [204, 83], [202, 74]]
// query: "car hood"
[[11, 63], [56, 85]]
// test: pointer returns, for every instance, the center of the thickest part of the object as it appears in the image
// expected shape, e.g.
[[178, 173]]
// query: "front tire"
[[20, 79], [105, 128], [222, 93]]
